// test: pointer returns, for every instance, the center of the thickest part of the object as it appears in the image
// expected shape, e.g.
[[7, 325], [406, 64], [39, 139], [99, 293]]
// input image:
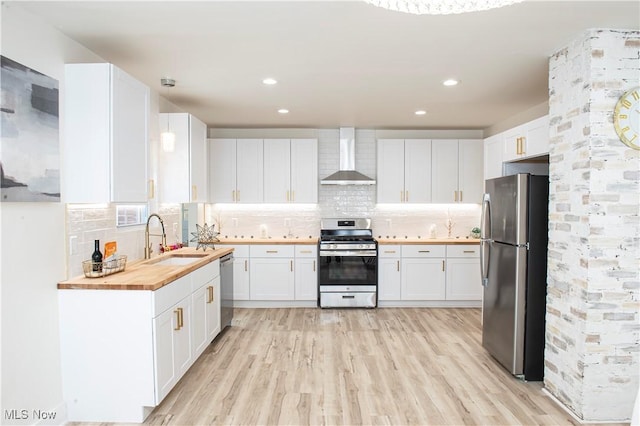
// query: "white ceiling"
[[338, 63]]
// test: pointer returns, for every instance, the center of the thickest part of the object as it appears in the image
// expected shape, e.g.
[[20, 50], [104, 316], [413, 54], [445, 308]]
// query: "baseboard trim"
[[574, 416]]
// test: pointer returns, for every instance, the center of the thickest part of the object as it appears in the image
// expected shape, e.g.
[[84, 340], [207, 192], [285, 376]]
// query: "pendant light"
[[167, 137], [440, 7]]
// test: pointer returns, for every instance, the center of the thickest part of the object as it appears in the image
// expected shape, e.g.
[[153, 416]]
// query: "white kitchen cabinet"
[[106, 135], [236, 170], [212, 311], [493, 151], [304, 171], [527, 140], [389, 283], [205, 324], [241, 275], [423, 272], [290, 171], [457, 174], [142, 342], [404, 171], [306, 273], [463, 272], [182, 172], [222, 170], [272, 275]]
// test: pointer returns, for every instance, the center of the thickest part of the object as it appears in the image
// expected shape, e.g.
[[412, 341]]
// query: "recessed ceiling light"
[[450, 82], [420, 112], [283, 111], [270, 81]]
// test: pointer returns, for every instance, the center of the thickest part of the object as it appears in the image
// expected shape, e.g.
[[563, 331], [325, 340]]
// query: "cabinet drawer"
[[465, 250], [423, 250], [272, 250], [239, 250], [306, 251], [170, 294], [391, 251], [203, 275]]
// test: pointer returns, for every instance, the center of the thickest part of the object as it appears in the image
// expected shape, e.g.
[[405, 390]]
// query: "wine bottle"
[[96, 257]]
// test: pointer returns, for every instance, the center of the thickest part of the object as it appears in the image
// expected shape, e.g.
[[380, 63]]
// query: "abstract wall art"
[[29, 134]]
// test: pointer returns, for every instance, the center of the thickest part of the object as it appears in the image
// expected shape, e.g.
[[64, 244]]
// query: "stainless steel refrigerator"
[[513, 255]]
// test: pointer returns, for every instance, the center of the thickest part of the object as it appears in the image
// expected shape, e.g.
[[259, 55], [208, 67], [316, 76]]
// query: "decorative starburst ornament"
[[206, 236]]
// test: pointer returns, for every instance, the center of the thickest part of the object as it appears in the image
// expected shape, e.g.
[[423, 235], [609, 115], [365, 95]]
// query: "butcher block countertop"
[[147, 274], [410, 240], [275, 240]]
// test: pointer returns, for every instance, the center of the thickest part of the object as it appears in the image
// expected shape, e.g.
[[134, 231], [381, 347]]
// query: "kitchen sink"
[[176, 259]]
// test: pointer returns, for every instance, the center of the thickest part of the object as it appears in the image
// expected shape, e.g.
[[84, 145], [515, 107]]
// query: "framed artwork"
[[29, 134]]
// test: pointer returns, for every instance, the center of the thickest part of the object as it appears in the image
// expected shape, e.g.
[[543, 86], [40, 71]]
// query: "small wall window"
[[131, 214]]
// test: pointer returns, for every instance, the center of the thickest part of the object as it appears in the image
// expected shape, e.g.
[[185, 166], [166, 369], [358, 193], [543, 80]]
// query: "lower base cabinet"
[[122, 351], [429, 273]]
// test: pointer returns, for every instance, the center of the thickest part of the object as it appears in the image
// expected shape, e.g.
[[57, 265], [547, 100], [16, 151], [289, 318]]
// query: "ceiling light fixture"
[[451, 82], [269, 81], [440, 7], [168, 138], [283, 111], [420, 112]]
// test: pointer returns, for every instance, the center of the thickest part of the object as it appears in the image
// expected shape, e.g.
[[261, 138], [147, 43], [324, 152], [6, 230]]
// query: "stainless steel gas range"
[[348, 264]]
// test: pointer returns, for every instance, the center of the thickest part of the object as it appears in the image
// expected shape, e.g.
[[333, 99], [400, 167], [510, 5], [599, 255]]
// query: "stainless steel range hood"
[[347, 175]]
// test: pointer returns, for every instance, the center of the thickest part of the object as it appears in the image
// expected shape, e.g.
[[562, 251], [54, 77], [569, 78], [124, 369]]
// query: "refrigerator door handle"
[[484, 261], [485, 239]]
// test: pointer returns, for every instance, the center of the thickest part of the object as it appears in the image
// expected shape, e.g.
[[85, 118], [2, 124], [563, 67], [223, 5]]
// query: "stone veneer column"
[[593, 330]]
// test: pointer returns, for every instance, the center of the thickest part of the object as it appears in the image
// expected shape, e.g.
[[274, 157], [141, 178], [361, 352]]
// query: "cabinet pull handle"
[[293, 195], [305, 251], [406, 196], [402, 196], [455, 195], [272, 251], [177, 312], [468, 251], [460, 196], [238, 195], [152, 189], [181, 317], [389, 251], [443, 265], [245, 265], [424, 251], [194, 192], [523, 148], [233, 195], [398, 265], [210, 290], [314, 266], [291, 263], [288, 196]]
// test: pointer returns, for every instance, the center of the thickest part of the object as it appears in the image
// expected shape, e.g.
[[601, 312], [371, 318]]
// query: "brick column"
[[593, 330]]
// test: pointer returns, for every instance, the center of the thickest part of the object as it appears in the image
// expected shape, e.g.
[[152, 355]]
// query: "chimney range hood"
[[347, 174]]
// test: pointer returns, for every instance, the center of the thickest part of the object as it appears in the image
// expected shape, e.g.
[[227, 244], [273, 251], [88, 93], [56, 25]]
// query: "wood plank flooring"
[[353, 367], [384, 366]]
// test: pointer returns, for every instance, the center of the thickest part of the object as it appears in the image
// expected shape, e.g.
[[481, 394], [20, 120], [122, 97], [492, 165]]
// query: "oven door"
[[348, 268]]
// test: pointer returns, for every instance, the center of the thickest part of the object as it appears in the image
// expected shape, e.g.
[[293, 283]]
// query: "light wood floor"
[[353, 367]]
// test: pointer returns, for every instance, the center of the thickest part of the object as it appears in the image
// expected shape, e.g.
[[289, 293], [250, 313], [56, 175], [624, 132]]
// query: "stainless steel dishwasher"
[[226, 290]]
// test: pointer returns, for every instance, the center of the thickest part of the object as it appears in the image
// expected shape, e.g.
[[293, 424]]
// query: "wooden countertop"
[[144, 274], [295, 240], [402, 240]]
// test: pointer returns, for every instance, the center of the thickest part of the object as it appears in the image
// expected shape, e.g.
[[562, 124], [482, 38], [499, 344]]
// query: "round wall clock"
[[626, 118]]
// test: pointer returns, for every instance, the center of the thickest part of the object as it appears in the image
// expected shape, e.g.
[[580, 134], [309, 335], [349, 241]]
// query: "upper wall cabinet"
[[404, 171], [236, 170], [106, 135], [456, 167], [527, 140], [183, 171], [291, 170], [493, 151]]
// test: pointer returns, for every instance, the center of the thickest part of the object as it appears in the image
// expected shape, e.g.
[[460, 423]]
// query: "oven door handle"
[[347, 253]]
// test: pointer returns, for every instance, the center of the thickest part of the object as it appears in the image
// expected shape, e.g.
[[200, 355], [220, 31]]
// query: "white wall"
[[32, 258]]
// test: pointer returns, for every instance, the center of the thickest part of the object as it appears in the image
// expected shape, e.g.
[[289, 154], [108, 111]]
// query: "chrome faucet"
[[147, 245]]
